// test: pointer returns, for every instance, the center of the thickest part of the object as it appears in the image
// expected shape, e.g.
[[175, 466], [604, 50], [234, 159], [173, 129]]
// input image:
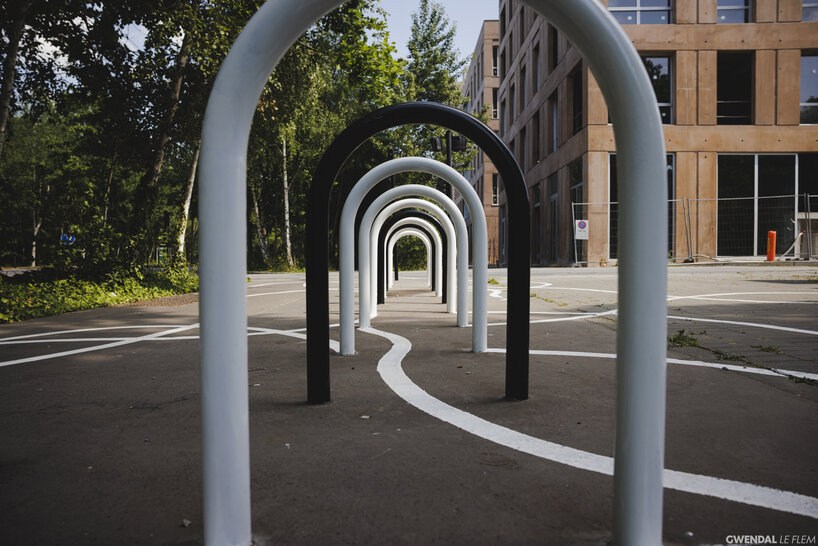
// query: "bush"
[[47, 292]]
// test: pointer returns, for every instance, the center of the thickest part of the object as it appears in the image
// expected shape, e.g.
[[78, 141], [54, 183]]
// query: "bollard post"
[[771, 235]]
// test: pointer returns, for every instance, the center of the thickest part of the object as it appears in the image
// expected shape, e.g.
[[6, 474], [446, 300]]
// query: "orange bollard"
[[771, 246]]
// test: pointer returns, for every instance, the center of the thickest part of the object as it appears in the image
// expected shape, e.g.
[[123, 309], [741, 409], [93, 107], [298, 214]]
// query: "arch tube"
[[460, 235], [440, 222], [415, 232], [381, 265], [371, 226], [430, 231], [347, 242], [641, 333]]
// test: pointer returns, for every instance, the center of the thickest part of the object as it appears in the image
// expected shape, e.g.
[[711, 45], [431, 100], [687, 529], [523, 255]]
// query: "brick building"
[[737, 87]]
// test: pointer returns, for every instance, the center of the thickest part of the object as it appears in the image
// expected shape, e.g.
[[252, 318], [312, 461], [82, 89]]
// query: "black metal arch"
[[391, 221], [317, 236], [432, 250]]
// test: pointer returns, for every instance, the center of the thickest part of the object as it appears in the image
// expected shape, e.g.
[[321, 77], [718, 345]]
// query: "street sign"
[[581, 230]]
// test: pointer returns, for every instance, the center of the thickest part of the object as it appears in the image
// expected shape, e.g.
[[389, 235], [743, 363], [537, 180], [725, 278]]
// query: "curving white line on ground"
[[715, 297], [776, 372], [751, 324], [391, 371]]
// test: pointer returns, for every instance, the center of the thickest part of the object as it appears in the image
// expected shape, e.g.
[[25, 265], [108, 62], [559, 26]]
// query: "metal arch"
[[413, 213], [317, 242], [423, 235], [641, 336], [433, 233]]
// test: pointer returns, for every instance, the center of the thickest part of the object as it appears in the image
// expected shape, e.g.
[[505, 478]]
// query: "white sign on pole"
[[581, 230]]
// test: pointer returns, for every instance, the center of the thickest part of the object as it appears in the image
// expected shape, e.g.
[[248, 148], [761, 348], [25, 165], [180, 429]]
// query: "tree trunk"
[[180, 242], [287, 241], [167, 123], [261, 232], [14, 33], [108, 188]]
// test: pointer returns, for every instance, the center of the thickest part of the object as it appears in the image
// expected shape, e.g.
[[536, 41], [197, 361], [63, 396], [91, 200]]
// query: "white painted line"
[[709, 296], [391, 371], [716, 365], [752, 324], [574, 317], [275, 283], [98, 329], [98, 347]]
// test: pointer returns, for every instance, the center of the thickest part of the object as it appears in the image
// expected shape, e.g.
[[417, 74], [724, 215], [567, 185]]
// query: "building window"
[[809, 89], [641, 12], [494, 103], [523, 89], [535, 224], [553, 46], [734, 88], [809, 11], [755, 195], [494, 188], [523, 150], [502, 23], [661, 77], [553, 135], [503, 116], [535, 136], [576, 100], [502, 65], [553, 218], [511, 97], [733, 11], [494, 69], [521, 24], [535, 63]]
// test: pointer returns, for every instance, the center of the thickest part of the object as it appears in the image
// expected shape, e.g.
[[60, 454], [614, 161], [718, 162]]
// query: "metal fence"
[[709, 229]]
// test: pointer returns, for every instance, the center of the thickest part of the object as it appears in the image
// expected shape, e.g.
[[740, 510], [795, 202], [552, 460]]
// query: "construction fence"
[[700, 230]]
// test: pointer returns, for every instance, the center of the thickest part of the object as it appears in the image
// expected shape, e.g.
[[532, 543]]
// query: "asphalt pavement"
[[101, 434]]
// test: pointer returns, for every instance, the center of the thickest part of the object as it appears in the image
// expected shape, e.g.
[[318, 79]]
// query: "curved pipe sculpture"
[[427, 242], [347, 242], [456, 231], [642, 318], [381, 265], [459, 294], [433, 234]]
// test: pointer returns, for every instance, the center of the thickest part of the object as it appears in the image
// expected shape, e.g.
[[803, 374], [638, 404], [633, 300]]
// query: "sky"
[[467, 14]]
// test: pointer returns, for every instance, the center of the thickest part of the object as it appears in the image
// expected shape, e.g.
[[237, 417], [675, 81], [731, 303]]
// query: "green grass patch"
[[682, 339], [768, 349], [44, 293], [493, 281]]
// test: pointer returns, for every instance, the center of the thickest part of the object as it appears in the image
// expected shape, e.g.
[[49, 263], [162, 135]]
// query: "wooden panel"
[[597, 109], [765, 11], [686, 12], [724, 37], [704, 212], [685, 93], [686, 177], [764, 88], [707, 11], [788, 88], [789, 10], [597, 184], [707, 87]]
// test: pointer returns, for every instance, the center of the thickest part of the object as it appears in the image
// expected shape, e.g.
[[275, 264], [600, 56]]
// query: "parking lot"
[[100, 418]]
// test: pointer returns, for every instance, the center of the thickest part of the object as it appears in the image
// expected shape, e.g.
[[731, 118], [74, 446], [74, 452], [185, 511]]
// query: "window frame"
[[671, 83], [639, 9], [811, 105], [747, 8]]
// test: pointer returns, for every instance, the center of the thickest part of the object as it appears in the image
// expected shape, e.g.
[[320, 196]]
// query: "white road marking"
[[391, 371]]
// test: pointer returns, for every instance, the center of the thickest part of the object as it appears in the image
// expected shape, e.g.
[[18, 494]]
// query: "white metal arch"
[[347, 241], [407, 231], [438, 240], [451, 256], [642, 320]]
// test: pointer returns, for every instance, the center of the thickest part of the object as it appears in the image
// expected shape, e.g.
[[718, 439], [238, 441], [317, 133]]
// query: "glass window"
[[734, 88], [809, 11], [494, 188], [523, 150], [641, 12], [553, 45], [494, 103], [809, 89], [661, 77], [554, 133], [503, 116], [502, 23], [535, 136], [494, 69], [523, 89], [511, 97], [733, 11], [536, 66], [553, 218]]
